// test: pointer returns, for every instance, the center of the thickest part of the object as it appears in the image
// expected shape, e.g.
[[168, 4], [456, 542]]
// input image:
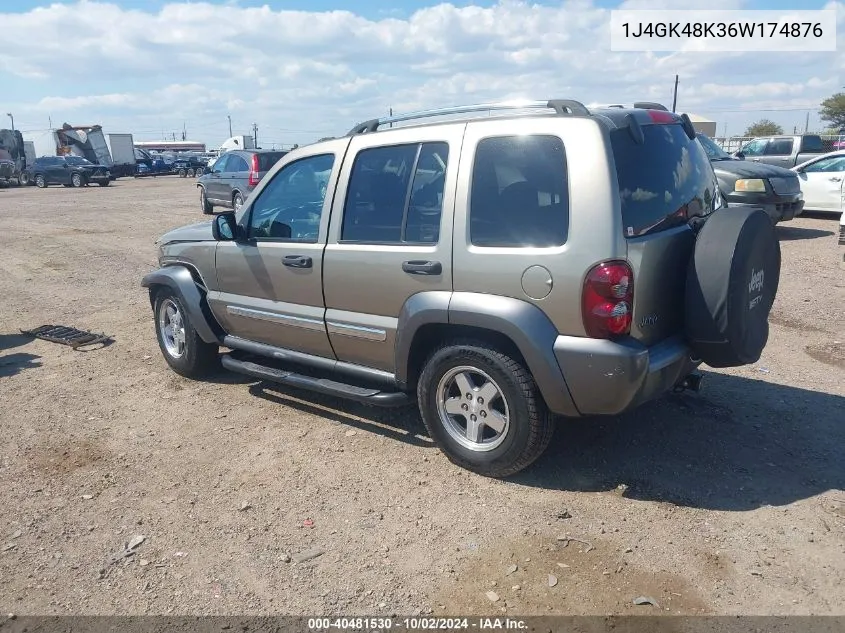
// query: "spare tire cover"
[[731, 286]]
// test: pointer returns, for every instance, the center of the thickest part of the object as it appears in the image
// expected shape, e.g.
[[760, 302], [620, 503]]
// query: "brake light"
[[607, 300], [659, 116], [253, 171]]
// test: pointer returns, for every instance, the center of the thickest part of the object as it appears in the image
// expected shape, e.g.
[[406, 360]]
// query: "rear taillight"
[[660, 116], [253, 171], [607, 300]]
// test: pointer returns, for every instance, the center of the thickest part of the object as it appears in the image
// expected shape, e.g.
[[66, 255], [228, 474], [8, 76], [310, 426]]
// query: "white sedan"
[[821, 180]]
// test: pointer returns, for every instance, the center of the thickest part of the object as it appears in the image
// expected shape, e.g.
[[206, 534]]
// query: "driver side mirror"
[[224, 227]]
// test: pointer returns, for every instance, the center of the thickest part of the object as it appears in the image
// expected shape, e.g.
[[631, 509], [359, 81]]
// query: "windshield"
[[78, 160], [714, 152]]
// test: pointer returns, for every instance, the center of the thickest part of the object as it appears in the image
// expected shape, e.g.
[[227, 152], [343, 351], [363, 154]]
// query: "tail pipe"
[[691, 382]]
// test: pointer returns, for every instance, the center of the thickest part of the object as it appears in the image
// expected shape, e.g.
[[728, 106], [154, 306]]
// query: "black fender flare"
[[180, 281], [523, 323]]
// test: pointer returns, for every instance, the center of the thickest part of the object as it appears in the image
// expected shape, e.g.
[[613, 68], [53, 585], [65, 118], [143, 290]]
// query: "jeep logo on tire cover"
[[756, 283]]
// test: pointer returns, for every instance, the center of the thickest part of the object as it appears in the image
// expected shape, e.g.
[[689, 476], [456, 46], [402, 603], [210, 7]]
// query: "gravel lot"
[[728, 502]]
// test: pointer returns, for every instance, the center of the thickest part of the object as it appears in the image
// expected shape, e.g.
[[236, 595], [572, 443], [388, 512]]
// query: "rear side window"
[[396, 194], [519, 194], [266, 160], [779, 147], [236, 164], [663, 181]]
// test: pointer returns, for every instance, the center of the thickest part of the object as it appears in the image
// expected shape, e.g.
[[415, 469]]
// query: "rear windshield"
[[266, 160], [663, 181]]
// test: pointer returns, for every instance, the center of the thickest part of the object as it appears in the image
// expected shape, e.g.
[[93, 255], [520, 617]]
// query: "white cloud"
[[301, 75]]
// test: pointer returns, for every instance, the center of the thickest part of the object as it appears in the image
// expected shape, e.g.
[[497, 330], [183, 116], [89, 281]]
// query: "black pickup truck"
[[747, 183]]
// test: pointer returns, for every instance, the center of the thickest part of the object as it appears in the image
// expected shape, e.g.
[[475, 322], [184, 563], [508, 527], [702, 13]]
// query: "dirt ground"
[[726, 502]]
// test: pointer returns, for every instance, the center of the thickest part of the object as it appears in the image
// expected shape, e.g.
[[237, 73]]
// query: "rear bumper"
[[609, 377], [780, 208]]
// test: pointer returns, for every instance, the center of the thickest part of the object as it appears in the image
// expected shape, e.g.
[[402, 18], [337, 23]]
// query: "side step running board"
[[319, 385]]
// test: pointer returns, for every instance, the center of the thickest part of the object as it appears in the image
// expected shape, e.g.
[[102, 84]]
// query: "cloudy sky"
[[302, 69]]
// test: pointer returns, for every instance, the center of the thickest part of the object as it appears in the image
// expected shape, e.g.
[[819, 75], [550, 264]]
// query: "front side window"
[[220, 164], [289, 208], [832, 164], [755, 148], [519, 194], [396, 194]]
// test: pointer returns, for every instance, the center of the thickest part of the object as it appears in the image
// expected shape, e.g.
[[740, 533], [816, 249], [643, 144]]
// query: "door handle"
[[422, 267], [297, 261], [835, 179]]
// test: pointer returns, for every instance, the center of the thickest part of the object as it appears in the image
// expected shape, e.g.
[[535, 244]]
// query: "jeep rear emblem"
[[648, 321]]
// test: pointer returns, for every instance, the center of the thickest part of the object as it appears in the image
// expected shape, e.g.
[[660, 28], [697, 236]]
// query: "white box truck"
[[122, 148]]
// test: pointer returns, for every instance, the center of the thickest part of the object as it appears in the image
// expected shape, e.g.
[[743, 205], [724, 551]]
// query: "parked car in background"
[[233, 177], [189, 165], [783, 151], [744, 183], [821, 180], [70, 171]]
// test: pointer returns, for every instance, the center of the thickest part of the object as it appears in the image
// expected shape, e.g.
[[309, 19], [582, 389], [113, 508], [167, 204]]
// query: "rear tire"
[[183, 349], [237, 201], [182, 173], [104, 183], [497, 437]]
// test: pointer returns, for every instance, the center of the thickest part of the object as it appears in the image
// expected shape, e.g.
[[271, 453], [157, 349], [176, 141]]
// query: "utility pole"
[[9, 114], [391, 114], [184, 131], [50, 119], [675, 96], [255, 134], [229, 116], [807, 123]]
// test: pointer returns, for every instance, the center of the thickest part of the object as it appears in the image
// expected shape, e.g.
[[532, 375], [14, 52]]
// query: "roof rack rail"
[[560, 106], [650, 105]]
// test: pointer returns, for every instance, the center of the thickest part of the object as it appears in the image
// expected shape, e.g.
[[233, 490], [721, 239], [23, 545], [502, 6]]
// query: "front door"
[[269, 282], [58, 171], [390, 236], [821, 184]]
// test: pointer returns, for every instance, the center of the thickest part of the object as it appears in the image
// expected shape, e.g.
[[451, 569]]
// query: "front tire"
[[237, 202], [482, 408], [207, 207], [183, 349], [40, 181], [23, 180], [76, 180]]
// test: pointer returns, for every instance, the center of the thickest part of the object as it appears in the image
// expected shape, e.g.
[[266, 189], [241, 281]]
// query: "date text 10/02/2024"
[[416, 624]]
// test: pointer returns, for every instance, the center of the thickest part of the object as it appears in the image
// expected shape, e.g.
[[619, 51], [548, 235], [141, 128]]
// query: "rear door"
[[821, 184], [214, 187], [779, 151], [236, 178], [663, 182], [390, 236]]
